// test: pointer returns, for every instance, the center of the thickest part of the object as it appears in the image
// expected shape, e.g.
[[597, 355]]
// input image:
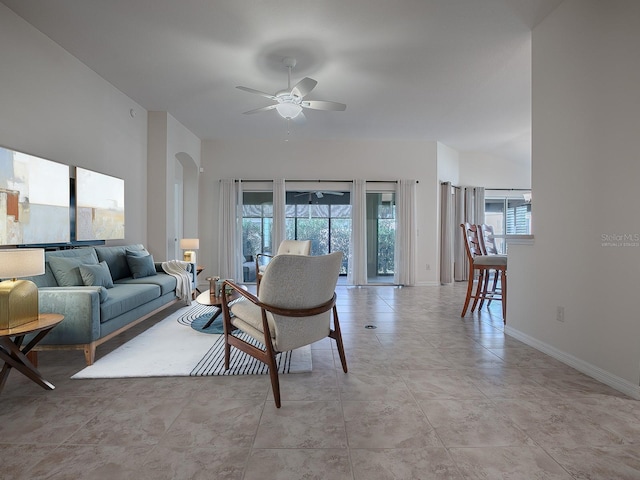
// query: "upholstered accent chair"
[[286, 247], [483, 265], [296, 307]]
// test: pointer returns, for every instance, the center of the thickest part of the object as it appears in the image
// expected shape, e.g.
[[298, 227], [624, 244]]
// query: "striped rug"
[[295, 361]]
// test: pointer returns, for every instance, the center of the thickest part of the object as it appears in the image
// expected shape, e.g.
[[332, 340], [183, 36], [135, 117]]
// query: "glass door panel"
[[381, 237]]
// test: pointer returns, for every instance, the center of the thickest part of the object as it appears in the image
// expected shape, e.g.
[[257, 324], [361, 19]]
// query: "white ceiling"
[[456, 71]]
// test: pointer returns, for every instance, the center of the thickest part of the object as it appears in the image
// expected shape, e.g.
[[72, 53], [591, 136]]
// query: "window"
[[322, 217], [509, 215], [257, 221]]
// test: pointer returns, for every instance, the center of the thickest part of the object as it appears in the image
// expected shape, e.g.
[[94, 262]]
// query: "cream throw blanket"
[[179, 270]]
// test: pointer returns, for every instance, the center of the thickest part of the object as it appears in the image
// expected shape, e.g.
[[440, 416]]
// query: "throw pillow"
[[104, 294], [66, 271], [141, 266], [96, 275]]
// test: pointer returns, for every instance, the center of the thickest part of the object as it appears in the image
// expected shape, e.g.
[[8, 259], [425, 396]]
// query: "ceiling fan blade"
[[263, 109], [323, 105], [332, 193], [257, 92], [304, 86]]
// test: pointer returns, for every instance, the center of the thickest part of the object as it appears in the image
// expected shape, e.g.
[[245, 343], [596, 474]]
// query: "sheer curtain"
[[448, 230], [357, 274], [230, 229], [279, 220], [469, 208], [406, 233]]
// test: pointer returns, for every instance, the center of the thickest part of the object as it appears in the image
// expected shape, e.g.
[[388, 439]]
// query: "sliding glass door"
[[322, 217], [325, 218], [381, 237]]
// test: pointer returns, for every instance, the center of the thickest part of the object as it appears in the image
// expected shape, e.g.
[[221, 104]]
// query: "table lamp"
[[19, 298], [189, 245]]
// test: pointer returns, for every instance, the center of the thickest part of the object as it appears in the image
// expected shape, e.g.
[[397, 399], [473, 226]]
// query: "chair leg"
[[485, 289], [336, 334], [273, 373], [227, 352], [479, 289], [469, 290], [503, 281], [494, 289]]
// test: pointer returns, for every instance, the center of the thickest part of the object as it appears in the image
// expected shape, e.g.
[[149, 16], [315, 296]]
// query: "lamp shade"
[[190, 244], [21, 262]]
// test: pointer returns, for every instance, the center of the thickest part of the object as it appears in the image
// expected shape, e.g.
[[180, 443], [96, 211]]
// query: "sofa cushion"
[[116, 258], [96, 275], [126, 297], [65, 268], [141, 266], [166, 282]]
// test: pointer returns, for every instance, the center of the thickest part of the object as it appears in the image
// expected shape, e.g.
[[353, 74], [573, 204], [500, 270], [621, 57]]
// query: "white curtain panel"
[[447, 233], [357, 273], [228, 230], [406, 233], [279, 230], [478, 205], [469, 208], [237, 275], [460, 262]]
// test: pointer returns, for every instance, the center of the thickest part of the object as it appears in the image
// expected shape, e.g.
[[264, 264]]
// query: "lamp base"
[[18, 303], [190, 256]]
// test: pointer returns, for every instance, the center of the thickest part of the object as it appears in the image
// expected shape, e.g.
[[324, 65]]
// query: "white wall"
[[485, 170], [53, 106], [585, 169], [448, 164], [170, 145], [316, 160]]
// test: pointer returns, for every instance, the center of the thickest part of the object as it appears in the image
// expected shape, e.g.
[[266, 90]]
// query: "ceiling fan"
[[290, 102]]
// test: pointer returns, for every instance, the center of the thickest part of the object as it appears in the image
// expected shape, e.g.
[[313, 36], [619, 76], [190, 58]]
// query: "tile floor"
[[428, 396]]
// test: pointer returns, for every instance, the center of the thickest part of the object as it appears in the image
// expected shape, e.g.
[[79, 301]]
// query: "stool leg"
[[486, 290], [503, 281], [479, 289], [469, 290]]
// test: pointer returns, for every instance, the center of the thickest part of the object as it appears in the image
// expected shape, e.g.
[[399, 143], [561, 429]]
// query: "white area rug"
[[172, 349]]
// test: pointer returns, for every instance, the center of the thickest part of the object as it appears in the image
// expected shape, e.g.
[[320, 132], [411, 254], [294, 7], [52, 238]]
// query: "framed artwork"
[[34, 200], [99, 206]]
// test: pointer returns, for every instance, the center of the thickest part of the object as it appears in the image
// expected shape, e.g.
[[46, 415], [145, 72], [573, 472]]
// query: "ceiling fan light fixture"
[[288, 110]]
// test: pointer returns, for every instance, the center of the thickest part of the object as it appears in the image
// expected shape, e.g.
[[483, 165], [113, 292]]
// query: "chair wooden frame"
[[482, 265], [268, 355], [488, 247]]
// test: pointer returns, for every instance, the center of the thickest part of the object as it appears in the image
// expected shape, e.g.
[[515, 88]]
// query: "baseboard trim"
[[597, 373], [427, 284]]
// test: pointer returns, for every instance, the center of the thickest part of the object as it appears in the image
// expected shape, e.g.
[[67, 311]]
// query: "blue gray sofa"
[[101, 291]]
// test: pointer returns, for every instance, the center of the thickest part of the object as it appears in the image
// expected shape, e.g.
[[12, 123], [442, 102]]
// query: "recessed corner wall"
[[585, 171]]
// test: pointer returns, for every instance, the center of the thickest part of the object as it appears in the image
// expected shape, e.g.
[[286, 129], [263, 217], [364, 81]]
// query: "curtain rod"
[[320, 181], [498, 189]]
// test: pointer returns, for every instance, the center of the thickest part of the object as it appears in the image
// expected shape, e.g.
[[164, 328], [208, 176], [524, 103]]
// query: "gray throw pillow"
[[141, 266], [96, 275], [66, 270]]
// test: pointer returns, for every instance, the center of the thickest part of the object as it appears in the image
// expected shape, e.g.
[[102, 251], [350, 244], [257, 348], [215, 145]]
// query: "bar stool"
[[483, 265]]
